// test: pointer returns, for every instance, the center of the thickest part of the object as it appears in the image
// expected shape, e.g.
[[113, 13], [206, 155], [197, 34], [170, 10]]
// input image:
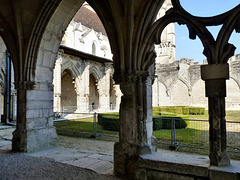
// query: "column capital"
[[27, 85], [130, 76], [215, 76], [215, 71]]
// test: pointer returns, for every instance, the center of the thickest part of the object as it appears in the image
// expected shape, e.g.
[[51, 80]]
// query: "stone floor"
[[85, 158]]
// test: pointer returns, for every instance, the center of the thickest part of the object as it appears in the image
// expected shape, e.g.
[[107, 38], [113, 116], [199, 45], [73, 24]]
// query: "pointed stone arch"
[[68, 92], [236, 80], [96, 72], [179, 94], [198, 94], [187, 84]]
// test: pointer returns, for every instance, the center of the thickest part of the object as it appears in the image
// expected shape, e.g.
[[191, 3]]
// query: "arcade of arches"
[[32, 32]]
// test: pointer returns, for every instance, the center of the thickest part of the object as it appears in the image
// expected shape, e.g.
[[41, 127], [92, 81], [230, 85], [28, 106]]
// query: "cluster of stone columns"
[[82, 84], [136, 117], [135, 120]]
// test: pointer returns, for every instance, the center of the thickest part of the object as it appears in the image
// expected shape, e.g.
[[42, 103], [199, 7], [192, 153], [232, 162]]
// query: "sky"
[[192, 49]]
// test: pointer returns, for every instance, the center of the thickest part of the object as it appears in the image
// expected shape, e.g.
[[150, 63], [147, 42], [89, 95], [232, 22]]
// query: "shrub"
[[100, 118], [109, 121], [179, 123], [157, 123], [196, 110], [179, 110]]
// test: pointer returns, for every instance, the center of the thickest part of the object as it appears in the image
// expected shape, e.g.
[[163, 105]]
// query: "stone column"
[[86, 76], [215, 76], [57, 84], [118, 96], [82, 103], [135, 121], [35, 128], [104, 102], [104, 93]]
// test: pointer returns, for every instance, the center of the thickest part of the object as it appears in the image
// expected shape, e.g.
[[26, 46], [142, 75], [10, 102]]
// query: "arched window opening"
[[93, 48]]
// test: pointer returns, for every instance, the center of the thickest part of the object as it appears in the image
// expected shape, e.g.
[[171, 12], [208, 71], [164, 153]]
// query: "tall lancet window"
[[93, 48]]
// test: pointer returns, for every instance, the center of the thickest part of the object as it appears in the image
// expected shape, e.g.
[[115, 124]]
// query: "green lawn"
[[83, 125], [195, 134]]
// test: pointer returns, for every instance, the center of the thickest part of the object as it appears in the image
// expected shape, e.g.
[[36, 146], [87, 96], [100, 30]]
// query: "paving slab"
[[102, 167], [84, 162]]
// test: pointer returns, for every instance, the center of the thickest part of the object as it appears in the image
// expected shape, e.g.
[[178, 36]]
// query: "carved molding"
[[131, 76], [27, 85]]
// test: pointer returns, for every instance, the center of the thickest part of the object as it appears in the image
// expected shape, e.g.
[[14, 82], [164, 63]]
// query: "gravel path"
[[19, 166], [24, 167]]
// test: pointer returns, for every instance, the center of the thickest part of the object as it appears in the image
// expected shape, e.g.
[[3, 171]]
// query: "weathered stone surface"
[[215, 71], [228, 172], [41, 138], [167, 176], [175, 163], [171, 165]]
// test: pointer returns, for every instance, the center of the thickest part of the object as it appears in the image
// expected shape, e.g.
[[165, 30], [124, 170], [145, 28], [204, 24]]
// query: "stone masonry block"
[[40, 57], [171, 163], [48, 45], [43, 74], [38, 139], [39, 95], [33, 113], [47, 58], [167, 176], [45, 112], [39, 104], [50, 121], [47, 36], [36, 123]]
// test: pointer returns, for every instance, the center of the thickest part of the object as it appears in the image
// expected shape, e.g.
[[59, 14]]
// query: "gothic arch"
[[187, 84], [179, 94], [52, 36], [198, 94], [68, 91], [73, 69], [237, 81], [167, 88], [96, 72], [233, 94]]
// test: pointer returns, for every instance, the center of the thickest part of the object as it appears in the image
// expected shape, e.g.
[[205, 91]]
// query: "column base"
[[125, 157], [34, 139], [219, 160]]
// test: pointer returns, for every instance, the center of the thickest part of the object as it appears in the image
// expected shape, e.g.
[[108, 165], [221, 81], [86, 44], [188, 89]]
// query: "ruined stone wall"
[[179, 84]]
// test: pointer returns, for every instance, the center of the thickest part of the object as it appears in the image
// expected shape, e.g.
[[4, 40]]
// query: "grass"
[[196, 133], [84, 125]]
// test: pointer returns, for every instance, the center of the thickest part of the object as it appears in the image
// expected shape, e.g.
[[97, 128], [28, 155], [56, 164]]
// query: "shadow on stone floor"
[[58, 162]]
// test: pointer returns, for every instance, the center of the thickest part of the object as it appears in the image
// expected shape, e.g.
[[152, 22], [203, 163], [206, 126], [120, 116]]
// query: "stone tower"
[[166, 49]]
